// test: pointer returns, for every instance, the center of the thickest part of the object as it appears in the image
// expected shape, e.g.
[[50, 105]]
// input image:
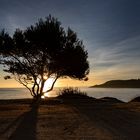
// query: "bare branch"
[[23, 65], [18, 78], [51, 88]]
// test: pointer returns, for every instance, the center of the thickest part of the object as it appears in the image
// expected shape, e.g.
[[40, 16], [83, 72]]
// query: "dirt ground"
[[69, 119]]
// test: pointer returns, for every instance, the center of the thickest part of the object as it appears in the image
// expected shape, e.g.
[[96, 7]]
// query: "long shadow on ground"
[[27, 128], [122, 123]]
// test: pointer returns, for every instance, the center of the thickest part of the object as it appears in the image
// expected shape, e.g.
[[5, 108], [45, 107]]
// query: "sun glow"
[[47, 85], [46, 94], [42, 97]]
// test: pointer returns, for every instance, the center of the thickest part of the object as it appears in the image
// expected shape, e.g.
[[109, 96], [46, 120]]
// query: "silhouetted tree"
[[42, 51]]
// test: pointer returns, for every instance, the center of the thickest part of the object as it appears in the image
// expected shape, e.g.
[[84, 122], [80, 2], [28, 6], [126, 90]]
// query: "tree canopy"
[[43, 51]]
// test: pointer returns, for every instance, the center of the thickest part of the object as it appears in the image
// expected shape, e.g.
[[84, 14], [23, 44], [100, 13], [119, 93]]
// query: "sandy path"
[[84, 119]]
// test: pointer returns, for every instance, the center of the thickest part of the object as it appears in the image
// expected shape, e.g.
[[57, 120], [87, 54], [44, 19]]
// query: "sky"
[[110, 30]]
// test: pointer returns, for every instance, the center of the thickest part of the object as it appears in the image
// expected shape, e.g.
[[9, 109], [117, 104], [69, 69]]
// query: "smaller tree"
[[43, 51]]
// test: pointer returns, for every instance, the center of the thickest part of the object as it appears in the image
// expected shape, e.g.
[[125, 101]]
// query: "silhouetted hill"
[[132, 83], [137, 99]]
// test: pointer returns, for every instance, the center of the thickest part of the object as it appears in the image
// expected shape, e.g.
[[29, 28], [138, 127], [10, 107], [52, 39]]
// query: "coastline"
[[81, 118]]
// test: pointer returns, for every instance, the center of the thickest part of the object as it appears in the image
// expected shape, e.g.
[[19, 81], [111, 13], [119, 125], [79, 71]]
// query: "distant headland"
[[131, 83]]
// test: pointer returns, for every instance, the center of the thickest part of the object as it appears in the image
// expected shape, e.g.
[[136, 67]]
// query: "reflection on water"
[[124, 94]]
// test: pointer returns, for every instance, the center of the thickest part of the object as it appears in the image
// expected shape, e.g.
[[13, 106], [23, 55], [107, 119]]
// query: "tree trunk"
[[36, 100], [33, 90], [37, 97], [42, 86]]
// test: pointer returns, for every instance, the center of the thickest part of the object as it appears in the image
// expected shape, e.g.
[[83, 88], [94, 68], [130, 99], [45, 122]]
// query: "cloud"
[[120, 61], [110, 30]]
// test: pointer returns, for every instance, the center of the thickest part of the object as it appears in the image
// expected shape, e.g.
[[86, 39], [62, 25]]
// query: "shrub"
[[71, 93]]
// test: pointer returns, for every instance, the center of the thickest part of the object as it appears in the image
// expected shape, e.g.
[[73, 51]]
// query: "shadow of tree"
[[27, 127], [10, 126], [102, 113]]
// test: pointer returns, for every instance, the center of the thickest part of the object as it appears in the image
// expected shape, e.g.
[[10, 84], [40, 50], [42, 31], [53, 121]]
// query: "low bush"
[[71, 93]]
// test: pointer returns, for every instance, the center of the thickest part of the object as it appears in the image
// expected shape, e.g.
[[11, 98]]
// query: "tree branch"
[[51, 86], [21, 82]]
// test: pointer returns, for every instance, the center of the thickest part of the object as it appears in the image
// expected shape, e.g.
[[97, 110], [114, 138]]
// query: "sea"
[[123, 94]]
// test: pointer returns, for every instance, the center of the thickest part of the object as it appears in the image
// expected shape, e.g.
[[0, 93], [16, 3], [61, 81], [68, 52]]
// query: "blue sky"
[[110, 30]]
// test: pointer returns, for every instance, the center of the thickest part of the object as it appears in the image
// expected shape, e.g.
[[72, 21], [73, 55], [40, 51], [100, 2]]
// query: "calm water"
[[123, 94]]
